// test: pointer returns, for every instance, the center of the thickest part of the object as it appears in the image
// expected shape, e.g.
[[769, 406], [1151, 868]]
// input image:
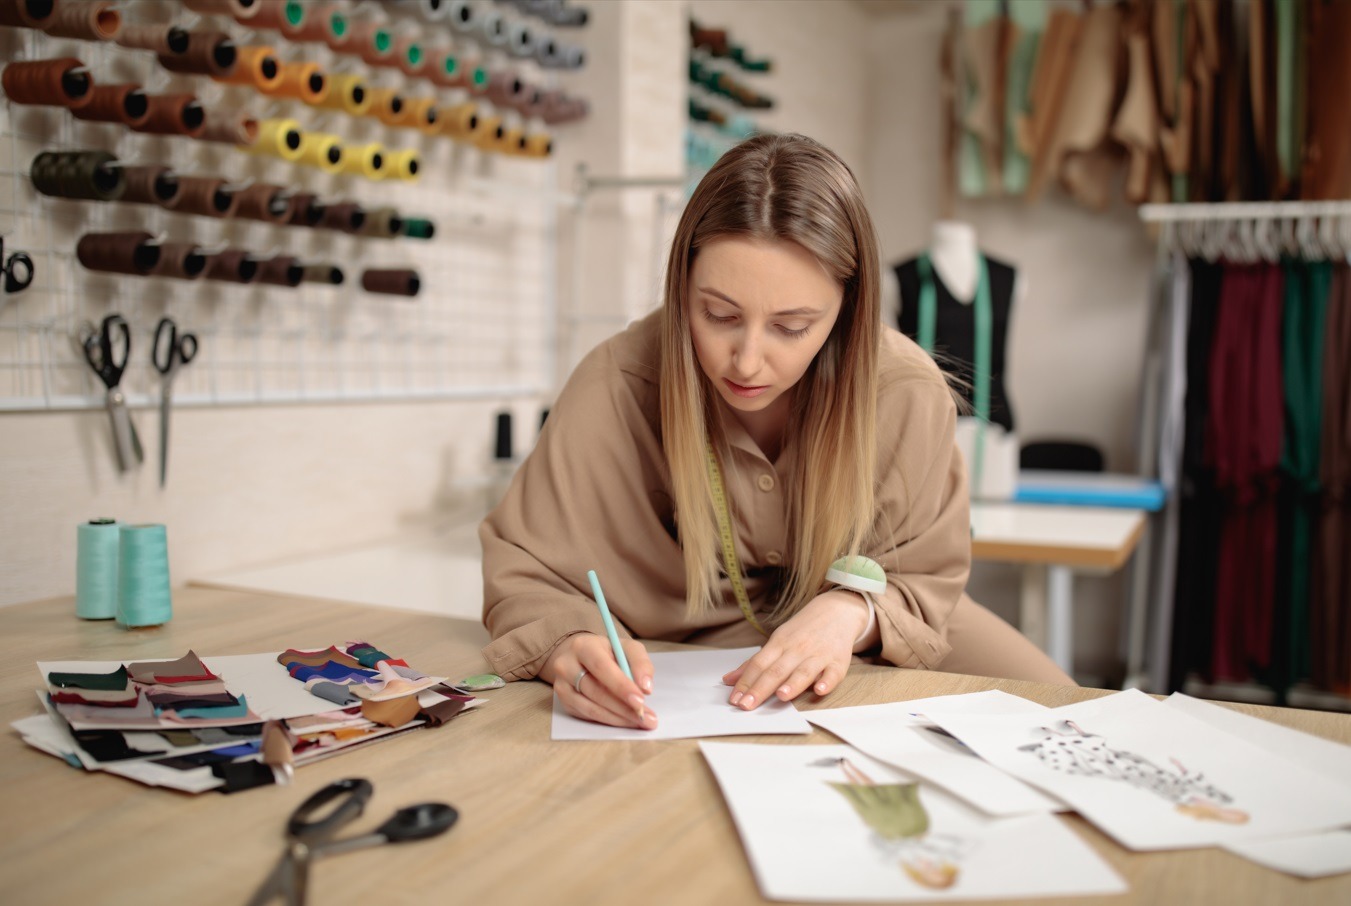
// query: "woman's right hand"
[[590, 684]]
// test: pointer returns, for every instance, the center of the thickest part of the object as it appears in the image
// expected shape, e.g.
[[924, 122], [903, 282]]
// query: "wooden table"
[[540, 822], [1051, 543]]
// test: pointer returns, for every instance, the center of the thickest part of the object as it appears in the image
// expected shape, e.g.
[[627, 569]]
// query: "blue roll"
[[96, 559], [143, 597]]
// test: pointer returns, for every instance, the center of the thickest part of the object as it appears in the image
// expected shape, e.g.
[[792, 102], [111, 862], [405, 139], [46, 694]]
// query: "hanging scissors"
[[172, 351], [310, 837], [107, 355]]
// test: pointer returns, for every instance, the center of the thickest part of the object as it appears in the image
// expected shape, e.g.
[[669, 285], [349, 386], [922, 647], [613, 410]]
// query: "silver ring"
[[577, 683]]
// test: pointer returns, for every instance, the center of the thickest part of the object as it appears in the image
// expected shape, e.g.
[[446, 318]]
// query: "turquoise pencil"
[[609, 623]]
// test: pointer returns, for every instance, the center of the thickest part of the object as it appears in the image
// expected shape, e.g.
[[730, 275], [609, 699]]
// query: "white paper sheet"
[[1153, 777], [1309, 856], [897, 734], [806, 840], [690, 701]]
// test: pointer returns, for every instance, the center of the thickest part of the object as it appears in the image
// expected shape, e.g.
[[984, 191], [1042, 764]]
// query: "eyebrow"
[[778, 314]]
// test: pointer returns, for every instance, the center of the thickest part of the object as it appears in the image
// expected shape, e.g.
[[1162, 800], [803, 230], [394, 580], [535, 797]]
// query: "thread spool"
[[205, 196], [532, 103], [557, 55], [158, 38], [322, 273], [324, 23], [391, 281], [461, 16], [492, 29], [230, 127], [538, 144], [179, 260], [150, 184], [232, 266], [209, 53], [240, 10], [512, 142], [143, 596], [403, 164], [506, 89], [460, 121], [446, 70], [373, 43], [126, 104], [520, 40], [277, 138], [256, 66], [421, 114], [91, 21], [306, 209], [57, 83], [433, 10], [96, 557], [89, 175], [417, 228], [346, 217], [174, 114], [347, 92], [559, 109], [384, 223], [561, 16], [318, 149], [265, 202], [387, 105], [364, 160], [285, 16], [489, 133], [302, 81], [409, 56], [27, 13], [283, 270], [339, 34], [118, 253]]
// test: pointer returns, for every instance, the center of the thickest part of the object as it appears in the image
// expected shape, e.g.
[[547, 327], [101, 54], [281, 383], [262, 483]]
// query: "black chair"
[[1061, 456]]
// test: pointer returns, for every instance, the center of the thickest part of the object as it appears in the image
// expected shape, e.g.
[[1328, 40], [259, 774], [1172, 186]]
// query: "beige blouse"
[[596, 494]]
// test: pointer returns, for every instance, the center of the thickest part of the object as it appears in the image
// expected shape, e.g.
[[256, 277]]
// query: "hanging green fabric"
[[972, 179], [928, 325], [1029, 18]]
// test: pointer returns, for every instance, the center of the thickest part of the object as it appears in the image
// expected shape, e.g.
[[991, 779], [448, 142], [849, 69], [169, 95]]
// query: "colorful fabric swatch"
[[187, 669], [96, 699], [316, 658], [117, 680]]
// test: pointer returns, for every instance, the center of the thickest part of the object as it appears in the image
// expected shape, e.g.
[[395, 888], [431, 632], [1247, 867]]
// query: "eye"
[[716, 319], [790, 332]]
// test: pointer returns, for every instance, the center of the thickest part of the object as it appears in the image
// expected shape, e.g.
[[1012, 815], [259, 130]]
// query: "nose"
[[747, 356]]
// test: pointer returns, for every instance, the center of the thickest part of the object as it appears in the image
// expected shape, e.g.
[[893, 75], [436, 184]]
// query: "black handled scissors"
[[171, 352], [107, 350], [311, 837]]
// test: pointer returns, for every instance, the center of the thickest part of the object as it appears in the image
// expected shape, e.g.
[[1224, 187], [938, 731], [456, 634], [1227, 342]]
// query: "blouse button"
[[766, 482], [773, 558]]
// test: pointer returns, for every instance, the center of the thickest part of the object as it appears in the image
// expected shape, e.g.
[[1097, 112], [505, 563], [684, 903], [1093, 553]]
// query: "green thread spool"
[[417, 228], [96, 559], [143, 577]]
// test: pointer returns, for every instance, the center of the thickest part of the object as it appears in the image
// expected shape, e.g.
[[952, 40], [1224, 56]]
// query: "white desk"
[[1051, 543]]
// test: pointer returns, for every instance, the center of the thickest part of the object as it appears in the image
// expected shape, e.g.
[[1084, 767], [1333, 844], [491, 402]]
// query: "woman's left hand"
[[811, 650]]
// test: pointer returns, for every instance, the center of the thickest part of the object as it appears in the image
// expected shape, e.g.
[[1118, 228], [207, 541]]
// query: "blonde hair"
[[780, 188]]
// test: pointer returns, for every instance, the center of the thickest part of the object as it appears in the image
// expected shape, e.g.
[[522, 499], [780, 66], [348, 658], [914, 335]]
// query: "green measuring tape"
[[928, 318], [729, 560]]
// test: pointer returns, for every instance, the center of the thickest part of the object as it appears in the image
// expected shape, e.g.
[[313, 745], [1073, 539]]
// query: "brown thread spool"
[[421, 114], [210, 53], [324, 23], [382, 222], [118, 253], [265, 202], [115, 104], [256, 66], [460, 121], [306, 209], [159, 38], [96, 21], [346, 216], [230, 127], [89, 175], [283, 270], [445, 69], [205, 196], [387, 105], [533, 102], [58, 83], [562, 109], [232, 266], [180, 260], [391, 281], [506, 88], [174, 114], [27, 13], [151, 184], [373, 43], [241, 10], [285, 16], [410, 56], [303, 81], [322, 273]]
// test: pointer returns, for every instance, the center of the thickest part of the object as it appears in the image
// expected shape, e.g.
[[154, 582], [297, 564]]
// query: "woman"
[[766, 381]]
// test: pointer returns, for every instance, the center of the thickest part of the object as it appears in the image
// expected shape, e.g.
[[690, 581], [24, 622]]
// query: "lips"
[[743, 391]]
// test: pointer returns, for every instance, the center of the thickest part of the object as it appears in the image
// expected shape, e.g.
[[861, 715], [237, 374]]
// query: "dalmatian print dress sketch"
[[1069, 749]]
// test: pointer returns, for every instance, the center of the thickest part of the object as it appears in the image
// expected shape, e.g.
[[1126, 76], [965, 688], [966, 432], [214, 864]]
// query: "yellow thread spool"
[[460, 121], [423, 115], [490, 132], [512, 142], [387, 105], [303, 81], [277, 138], [319, 149], [539, 144], [364, 160], [348, 92], [256, 66], [405, 164]]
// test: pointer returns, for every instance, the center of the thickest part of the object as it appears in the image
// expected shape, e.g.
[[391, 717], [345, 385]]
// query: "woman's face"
[[759, 311]]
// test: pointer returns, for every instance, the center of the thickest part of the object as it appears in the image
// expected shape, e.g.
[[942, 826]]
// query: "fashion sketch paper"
[[830, 824]]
